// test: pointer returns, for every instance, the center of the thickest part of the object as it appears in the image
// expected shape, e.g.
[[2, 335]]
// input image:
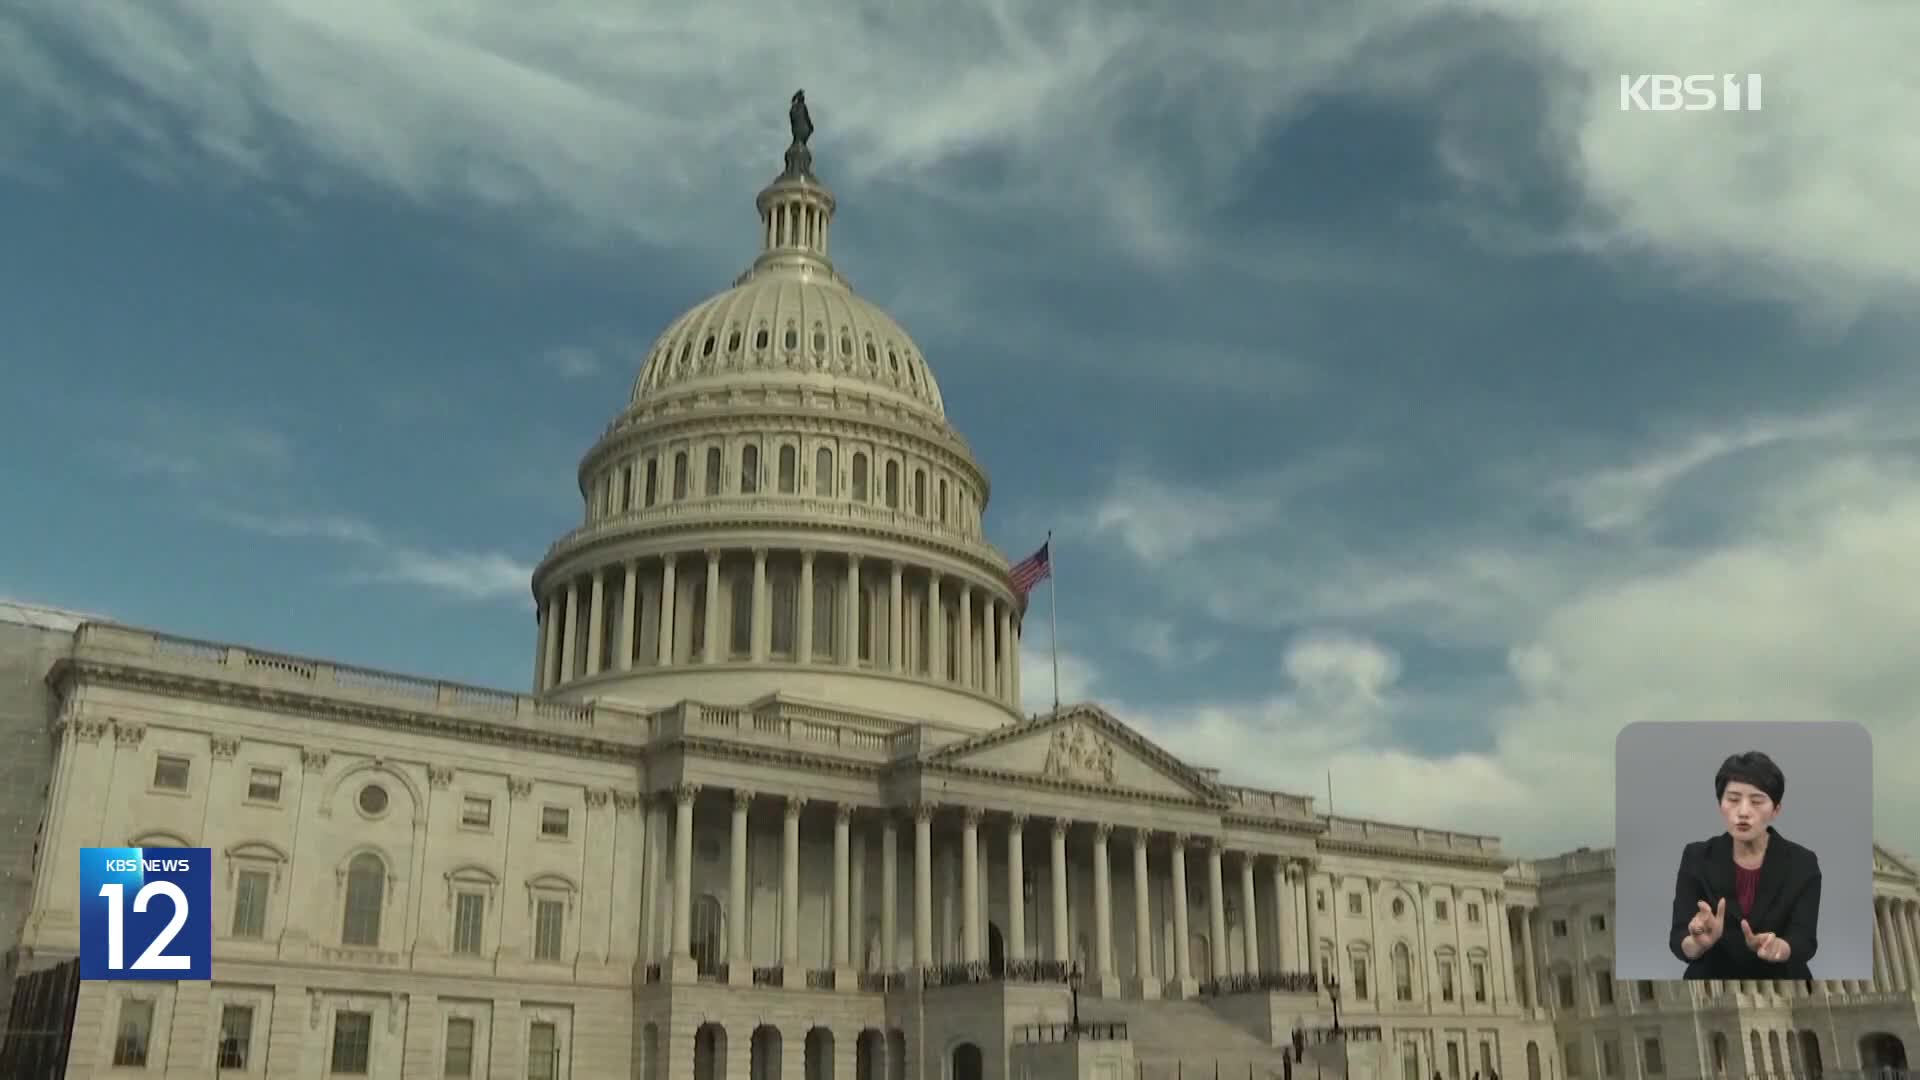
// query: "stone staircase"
[[1188, 1040]]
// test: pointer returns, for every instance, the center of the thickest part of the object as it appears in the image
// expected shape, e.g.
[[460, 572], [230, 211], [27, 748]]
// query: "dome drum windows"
[[790, 341], [749, 469], [706, 347], [789, 470], [733, 343], [893, 485], [680, 475], [859, 477], [712, 478], [823, 472], [760, 340]]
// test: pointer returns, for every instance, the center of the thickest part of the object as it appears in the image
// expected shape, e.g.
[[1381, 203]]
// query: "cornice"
[[773, 755], [282, 700], [657, 538], [1208, 793], [1291, 826], [1073, 787], [1462, 860]]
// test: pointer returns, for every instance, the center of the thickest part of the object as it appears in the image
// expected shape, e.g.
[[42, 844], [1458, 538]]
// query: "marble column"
[[596, 620], [1526, 960], [739, 966], [569, 634], [803, 633], [1286, 944], [1909, 948], [1249, 914], [762, 620], [842, 938], [964, 647], [1057, 891], [551, 631], [629, 614], [989, 678], [896, 619], [936, 639], [710, 645], [1017, 888], [923, 885], [1182, 933], [1145, 985], [1108, 984], [665, 652], [889, 894], [970, 884], [850, 650], [1217, 908], [1310, 948], [683, 797], [790, 891]]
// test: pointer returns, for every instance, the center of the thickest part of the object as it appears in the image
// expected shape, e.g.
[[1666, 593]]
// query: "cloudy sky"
[[1401, 406]]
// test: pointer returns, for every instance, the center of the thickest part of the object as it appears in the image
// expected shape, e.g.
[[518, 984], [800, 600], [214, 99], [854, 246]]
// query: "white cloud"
[[461, 574], [618, 116], [571, 362]]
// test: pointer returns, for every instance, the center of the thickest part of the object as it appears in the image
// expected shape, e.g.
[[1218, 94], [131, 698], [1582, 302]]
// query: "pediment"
[[1081, 745], [1885, 861]]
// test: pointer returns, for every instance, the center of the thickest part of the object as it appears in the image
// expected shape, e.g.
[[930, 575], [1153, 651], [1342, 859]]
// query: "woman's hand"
[[1704, 930], [1767, 946]]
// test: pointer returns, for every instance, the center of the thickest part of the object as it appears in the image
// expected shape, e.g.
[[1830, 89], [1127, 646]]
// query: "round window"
[[373, 799]]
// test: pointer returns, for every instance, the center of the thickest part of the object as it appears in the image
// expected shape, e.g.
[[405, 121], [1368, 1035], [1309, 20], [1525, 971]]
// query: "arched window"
[[823, 472], [859, 478], [865, 607], [786, 590], [789, 470], [943, 500], [707, 927], [740, 638], [366, 893], [653, 480], [1402, 972], [680, 475], [893, 485], [919, 493], [697, 619], [749, 469], [826, 610], [713, 470]]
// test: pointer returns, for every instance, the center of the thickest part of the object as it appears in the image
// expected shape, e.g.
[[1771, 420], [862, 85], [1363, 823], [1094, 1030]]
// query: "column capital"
[[842, 813], [1142, 837], [806, 556], [966, 588], [626, 800], [1017, 820], [669, 559], [683, 794], [760, 553], [712, 554], [853, 558], [795, 804], [1062, 826], [923, 812], [1181, 841], [971, 815], [1214, 846], [1102, 831], [742, 798]]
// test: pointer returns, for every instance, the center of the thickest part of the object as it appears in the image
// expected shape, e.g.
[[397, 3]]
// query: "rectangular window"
[[1597, 923], [1353, 904], [1573, 1061], [236, 1037], [1566, 991], [1473, 913], [786, 590], [1486, 1058], [1646, 990], [1655, 1063], [1603, 987], [1446, 980], [1479, 981], [1440, 910], [136, 1028], [740, 639], [459, 1047], [476, 812], [263, 785], [1320, 899], [868, 625], [1410, 1061], [653, 480], [171, 772], [1610, 1057], [250, 903], [469, 921], [1453, 1060], [1360, 978], [352, 1043], [826, 616], [1559, 928], [549, 923], [711, 474], [553, 821], [543, 1051]]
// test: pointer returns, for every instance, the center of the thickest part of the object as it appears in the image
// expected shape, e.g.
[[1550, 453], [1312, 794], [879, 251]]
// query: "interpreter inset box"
[[1743, 851]]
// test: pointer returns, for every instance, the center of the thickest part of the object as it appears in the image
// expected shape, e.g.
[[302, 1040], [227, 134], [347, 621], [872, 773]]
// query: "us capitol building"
[[772, 809]]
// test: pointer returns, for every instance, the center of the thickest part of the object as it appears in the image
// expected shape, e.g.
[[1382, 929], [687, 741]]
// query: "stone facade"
[[772, 810]]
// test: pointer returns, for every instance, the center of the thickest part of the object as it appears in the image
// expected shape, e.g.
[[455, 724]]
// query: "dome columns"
[[780, 607]]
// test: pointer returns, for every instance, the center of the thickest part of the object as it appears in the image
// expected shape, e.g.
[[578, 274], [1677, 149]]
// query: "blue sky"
[[1400, 406]]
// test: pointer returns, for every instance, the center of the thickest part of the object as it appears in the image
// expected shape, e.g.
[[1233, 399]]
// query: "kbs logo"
[[1689, 93], [146, 913]]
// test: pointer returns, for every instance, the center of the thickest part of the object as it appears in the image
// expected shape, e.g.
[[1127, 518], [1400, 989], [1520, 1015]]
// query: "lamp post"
[[1073, 996], [1333, 990]]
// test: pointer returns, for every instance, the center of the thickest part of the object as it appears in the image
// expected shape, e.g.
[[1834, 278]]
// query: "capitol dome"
[[781, 508]]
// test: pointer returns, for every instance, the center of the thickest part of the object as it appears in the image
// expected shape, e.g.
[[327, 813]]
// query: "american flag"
[[1032, 570]]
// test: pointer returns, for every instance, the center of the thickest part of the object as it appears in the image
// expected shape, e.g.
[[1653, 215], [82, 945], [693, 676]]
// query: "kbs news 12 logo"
[[146, 913], [1689, 93]]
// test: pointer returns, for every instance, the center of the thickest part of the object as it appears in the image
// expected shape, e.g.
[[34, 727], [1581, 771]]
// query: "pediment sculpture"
[[1077, 753]]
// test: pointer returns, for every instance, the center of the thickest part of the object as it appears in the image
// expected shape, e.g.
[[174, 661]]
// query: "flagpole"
[[1053, 619]]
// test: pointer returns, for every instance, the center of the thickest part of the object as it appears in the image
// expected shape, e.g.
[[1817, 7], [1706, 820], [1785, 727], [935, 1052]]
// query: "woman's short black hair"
[[1752, 767]]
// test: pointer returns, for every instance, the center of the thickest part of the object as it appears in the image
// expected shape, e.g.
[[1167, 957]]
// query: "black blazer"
[[1786, 902]]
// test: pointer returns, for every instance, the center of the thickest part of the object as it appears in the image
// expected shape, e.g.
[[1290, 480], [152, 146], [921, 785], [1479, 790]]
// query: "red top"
[[1745, 882]]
